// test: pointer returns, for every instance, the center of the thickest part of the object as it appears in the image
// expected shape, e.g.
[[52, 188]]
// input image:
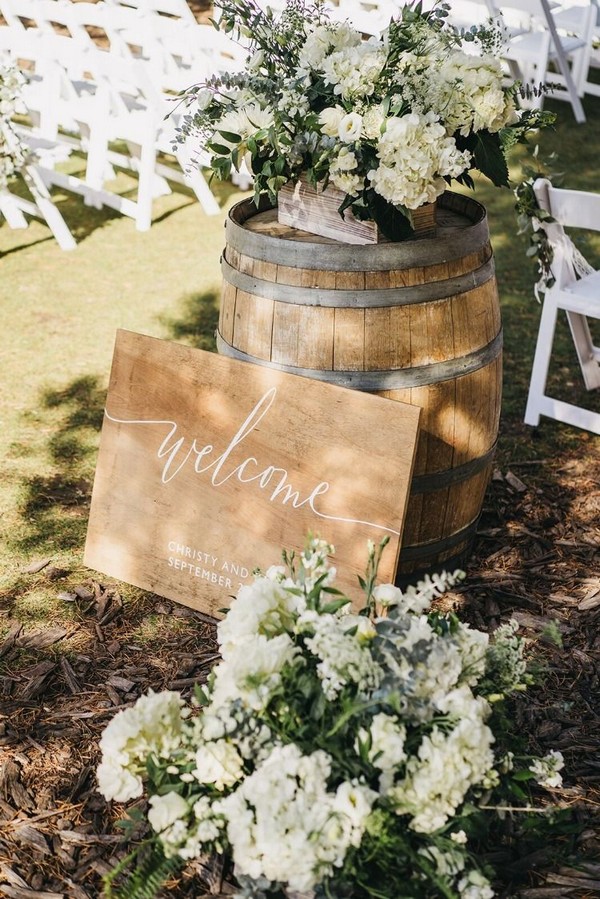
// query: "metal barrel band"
[[418, 376], [438, 480], [358, 299], [435, 547], [354, 258]]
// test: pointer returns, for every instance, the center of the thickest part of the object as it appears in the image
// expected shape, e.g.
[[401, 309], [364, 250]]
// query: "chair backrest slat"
[[571, 208]]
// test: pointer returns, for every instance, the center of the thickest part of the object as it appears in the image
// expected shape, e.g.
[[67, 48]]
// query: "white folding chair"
[[15, 208], [130, 110], [179, 9], [548, 44], [577, 291]]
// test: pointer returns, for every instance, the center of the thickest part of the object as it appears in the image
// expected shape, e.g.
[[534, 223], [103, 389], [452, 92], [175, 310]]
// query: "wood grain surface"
[[208, 467]]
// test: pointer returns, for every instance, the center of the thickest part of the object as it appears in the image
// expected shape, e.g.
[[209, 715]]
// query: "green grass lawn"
[[60, 312]]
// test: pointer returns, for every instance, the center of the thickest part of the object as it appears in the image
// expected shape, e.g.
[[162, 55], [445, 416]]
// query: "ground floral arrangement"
[[13, 153], [389, 121], [335, 753]]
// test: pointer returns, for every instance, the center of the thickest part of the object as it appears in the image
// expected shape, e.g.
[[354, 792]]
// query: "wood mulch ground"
[[536, 560]]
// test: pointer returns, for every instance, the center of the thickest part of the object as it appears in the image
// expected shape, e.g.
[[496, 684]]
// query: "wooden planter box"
[[315, 210]]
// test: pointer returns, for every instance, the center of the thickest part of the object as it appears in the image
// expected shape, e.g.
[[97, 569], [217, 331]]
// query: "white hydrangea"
[[468, 91], [354, 70], [322, 40], [151, 727], [440, 775], [415, 154], [285, 825], [342, 646]]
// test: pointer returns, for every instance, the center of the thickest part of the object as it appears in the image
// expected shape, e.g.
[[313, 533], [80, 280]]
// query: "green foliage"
[[146, 870], [530, 216]]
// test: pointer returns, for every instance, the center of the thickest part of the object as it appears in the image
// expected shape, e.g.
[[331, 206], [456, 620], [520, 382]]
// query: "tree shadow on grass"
[[197, 322], [55, 504]]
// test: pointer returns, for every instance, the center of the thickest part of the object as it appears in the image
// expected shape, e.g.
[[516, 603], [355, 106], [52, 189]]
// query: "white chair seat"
[[588, 287]]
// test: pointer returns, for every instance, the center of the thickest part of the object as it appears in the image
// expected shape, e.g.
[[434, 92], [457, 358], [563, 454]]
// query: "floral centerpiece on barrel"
[[389, 122], [350, 753]]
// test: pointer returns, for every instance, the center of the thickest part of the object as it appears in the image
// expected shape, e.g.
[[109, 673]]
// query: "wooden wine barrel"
[[416, 322]]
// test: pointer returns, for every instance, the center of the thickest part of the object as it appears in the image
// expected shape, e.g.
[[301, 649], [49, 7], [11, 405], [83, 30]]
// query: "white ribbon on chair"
[[571, 256]]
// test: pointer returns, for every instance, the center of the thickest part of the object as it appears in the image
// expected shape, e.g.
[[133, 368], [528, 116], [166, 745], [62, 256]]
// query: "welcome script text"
[[177, 453]]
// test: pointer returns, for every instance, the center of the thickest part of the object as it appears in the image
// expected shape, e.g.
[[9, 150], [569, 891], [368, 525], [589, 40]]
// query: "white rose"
[[350, 127], [165, 810], [330, 119]]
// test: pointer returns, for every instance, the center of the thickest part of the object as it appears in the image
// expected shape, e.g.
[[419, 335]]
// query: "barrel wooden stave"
[[389, 323]]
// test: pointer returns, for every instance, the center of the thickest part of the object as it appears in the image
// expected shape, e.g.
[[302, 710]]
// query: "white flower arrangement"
[[340, 753], [390, 121], [13, 153]]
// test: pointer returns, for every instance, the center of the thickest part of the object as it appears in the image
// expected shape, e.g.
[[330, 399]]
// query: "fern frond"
[[151, 871]]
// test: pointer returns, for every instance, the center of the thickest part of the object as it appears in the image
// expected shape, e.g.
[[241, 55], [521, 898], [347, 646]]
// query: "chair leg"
[[590, 367], [9, 208], [146, 176], [47, 209], [541, 362]]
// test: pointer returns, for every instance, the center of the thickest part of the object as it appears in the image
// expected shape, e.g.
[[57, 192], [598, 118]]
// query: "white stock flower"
[[387, 738], [284, 824], [545, 770], [218, 763], [252, 670], [440, 775], [263, 607], [344, 655], [165, 810], [475, 886]]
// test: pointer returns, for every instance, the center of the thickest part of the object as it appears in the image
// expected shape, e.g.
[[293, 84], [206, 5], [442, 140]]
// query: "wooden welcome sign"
[[208, 467]]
